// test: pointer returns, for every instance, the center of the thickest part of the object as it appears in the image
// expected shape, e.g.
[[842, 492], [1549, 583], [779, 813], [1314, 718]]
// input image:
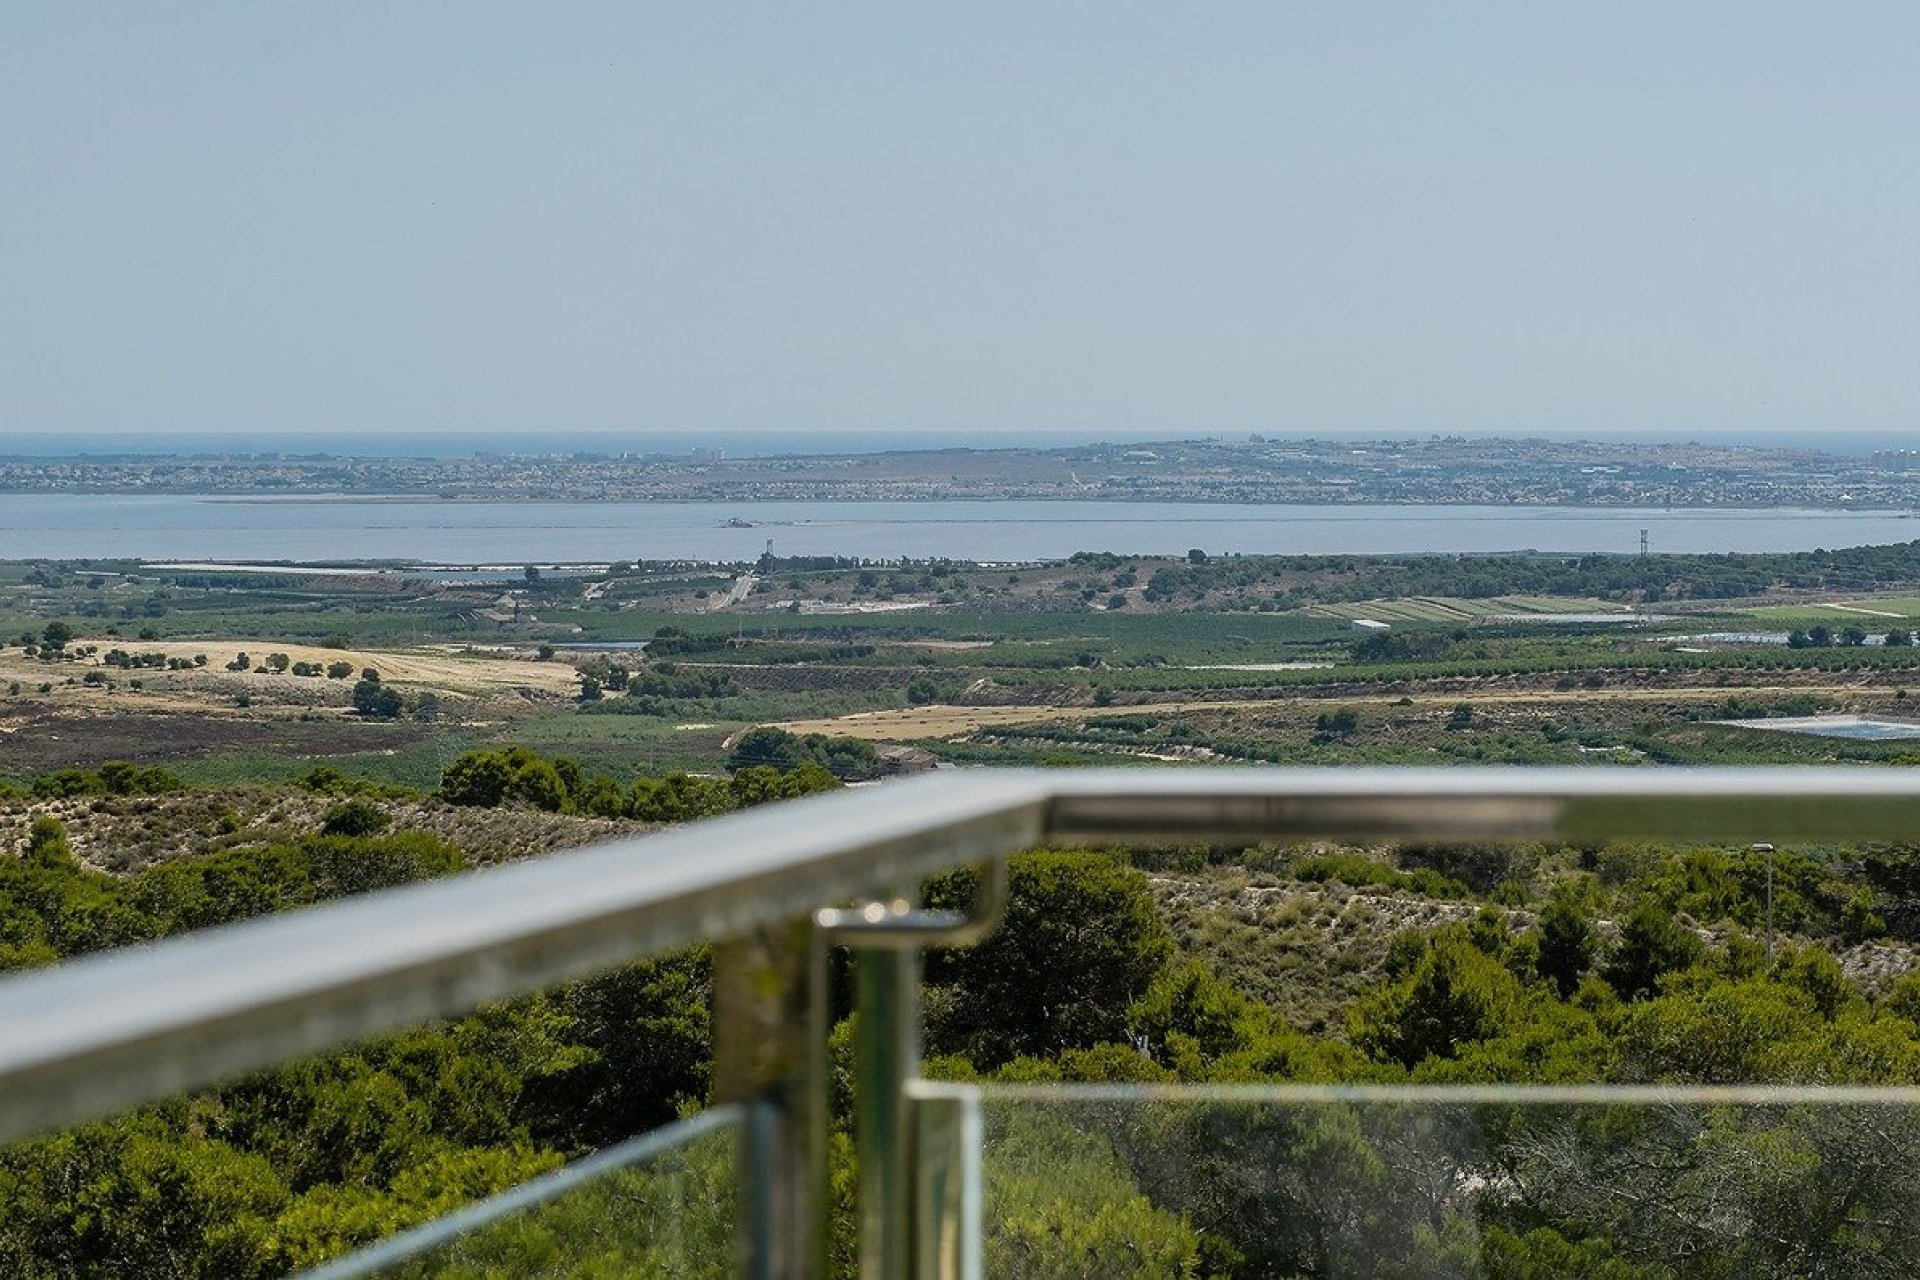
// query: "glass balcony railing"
[[961, 1181], [1347, 1182], [655, 1207]]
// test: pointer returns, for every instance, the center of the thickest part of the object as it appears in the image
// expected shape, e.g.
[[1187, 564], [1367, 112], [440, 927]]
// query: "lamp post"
[[1768, 850]]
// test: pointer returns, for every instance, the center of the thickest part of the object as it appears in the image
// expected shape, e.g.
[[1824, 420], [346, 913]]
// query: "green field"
[[1872, 612], [1458, 609]]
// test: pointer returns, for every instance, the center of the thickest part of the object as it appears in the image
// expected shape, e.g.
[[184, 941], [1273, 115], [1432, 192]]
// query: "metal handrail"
[[112, 1030], [109, 1031]]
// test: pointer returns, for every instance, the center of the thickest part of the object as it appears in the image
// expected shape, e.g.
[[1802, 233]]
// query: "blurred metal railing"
[[770, 887]]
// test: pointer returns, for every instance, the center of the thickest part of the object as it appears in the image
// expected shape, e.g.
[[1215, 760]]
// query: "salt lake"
[[1859, 728], [191, 527]]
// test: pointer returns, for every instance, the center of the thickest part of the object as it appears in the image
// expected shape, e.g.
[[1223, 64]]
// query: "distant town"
[[1437, 469]]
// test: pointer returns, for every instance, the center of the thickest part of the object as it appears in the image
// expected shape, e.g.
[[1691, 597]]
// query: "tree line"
[[1332, 579]]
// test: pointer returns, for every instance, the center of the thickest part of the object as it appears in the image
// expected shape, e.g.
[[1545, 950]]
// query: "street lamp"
[[1768, 850]]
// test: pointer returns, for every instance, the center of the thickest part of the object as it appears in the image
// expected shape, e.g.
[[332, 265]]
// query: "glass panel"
[[1632, 1185], [661, 1205]]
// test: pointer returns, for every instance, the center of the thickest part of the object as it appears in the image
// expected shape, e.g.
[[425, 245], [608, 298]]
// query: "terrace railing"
[[774, 889]]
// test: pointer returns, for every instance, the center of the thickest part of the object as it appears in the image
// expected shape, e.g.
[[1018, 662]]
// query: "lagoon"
[[196, 527], [1858, 728]]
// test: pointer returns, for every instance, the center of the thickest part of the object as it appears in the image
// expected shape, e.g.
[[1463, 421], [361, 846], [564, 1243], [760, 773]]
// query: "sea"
[[316, 528]]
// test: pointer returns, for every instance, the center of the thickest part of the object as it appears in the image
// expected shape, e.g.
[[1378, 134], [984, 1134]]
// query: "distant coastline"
[[1456, 471], [28, 443]]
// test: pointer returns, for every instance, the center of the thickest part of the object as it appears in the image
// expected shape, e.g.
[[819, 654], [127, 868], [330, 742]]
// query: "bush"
[[1358, 871], [849, 759], [489, 779], [354, 818], [375, 701]]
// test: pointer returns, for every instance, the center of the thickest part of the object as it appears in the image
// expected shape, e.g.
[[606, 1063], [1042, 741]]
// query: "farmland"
[[258, 673]]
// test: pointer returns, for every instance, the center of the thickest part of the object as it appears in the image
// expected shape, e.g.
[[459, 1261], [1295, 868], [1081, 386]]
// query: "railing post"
[[769, 1053], [886, 1056], [949, 1231]]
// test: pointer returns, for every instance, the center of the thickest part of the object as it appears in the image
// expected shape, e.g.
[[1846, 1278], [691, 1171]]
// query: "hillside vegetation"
[[1419, 964]]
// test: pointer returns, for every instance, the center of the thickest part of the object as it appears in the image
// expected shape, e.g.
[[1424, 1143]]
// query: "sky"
[[915, 219]]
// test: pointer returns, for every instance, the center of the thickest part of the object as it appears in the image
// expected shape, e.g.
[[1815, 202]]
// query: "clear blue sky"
[[900, 217]]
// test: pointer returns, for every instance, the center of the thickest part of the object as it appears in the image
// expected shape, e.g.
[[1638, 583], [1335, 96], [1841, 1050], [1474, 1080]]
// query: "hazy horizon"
[[454, 443], [1110, 219]]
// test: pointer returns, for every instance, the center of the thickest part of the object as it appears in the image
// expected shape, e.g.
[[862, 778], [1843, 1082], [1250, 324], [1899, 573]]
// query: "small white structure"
[[1371, 624]]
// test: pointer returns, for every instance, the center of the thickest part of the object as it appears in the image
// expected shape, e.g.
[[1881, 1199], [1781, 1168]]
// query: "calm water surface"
[[200, 528]]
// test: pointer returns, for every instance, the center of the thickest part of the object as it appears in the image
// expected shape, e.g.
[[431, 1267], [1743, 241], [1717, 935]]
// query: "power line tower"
[[1643, 542]]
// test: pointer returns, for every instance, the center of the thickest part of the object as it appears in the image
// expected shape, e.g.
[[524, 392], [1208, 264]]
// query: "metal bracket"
[[896, 925], [887, 937]]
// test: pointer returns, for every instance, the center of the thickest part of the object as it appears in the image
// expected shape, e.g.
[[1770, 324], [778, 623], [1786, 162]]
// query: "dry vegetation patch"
[[126, 833]]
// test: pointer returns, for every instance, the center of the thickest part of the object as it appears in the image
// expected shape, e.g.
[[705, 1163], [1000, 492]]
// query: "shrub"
[[354, 818]]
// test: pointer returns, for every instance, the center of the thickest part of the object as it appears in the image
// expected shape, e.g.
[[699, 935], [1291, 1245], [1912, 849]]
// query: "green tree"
[[478, 778], [847, 758], [1187, 1009], [1067, 1206], [678, 797], [1456, 994], [47, 845], [1337, 724], [1567, 943], [629, 1049], [375, 701], [132, 1198], [353, 818], [119, 777], [1081, 941], [1652, 944]]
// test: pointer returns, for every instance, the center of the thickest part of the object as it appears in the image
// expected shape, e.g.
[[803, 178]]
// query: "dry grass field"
[[445, 670]]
